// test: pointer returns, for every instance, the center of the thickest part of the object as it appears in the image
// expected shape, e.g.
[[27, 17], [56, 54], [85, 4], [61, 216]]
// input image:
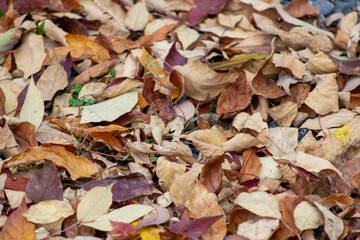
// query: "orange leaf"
[[152, 67], [17, 227], [77, 166], [251, 165]]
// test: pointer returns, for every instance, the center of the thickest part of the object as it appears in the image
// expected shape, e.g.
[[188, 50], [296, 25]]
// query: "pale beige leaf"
[[186, 36], [239, 120], [320, 63], [266, 24], [332, 147], [203, 83], [137, 17], [307, 216], [123, 87], [209, 142], [258, 228], [259, 203], [256, 122], [7, 139], [111, 109], [181, 189], [331, 120], [282, 141], [314, 164], [203, 203], [269, 168], [30, 54], [239, 142], [48, 211], [95, 203], [284, 113], [54, 32], [167, 171], [125, 214], [14, 197], [334, 226], [53, 79], [348, 22], [11, 89], [47, 134], [289, 62], [327, 90], [32, 110], [90, 89]]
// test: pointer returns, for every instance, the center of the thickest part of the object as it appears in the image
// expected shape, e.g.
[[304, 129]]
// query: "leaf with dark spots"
[[203, 8], [211, 174], [67, 63], [45, 184], [194, 228], [125, 187], [174, 58], [123, 231]]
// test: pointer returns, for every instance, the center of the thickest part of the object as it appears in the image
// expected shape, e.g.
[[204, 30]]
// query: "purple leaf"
[[125, 187], [22, 4], [160, 215], [45, 184], [194, 228], [203, 8], [67, 64], [174, 58]]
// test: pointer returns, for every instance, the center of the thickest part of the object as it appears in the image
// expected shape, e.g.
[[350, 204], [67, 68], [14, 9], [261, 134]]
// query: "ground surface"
[[180, 119]]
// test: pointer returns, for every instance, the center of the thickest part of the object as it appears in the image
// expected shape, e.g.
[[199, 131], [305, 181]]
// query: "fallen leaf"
[[239, 142], [137, 17], [48, 211], [212, 173], [32, 110], [111, 109], [251, 166], [307, 216], [167, 171], [158, 216], [125, 214], [124, 187], [292, 65], [203, 8], [45, 184], [301, 8], [123, 230], [94, 204], [174, 58], [285, 113], [258, 228]]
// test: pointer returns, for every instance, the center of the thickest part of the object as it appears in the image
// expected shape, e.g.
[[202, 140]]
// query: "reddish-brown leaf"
[[205, 7], [287, 206], [251, 165], [2, 102], [235, 97], [17, 183], [24, 134], [17, 227], [174, 58], [123, 231], [211, 174], [301, 8]]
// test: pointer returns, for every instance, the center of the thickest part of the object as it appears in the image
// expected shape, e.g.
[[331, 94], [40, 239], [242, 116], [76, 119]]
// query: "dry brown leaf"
[[211, 174], [202, 83], [290, 63], [301, 8], [334, 226], [137, 17], [348, 22], [327, 90], [167, 172], [320, 63], [203, 203], [251, 165], [284, 113], [240, 141], [282, 141], [209, 142], [258, 227], [77, 166], [307, 216]]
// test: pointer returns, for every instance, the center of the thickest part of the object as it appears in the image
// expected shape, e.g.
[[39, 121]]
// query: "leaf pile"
[[178, 119]]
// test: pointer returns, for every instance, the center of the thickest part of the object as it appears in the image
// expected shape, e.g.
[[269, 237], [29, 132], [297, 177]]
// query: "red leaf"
[[123, 231], [174, 58]]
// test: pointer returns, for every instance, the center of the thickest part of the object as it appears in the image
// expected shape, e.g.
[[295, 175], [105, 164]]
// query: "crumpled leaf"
[[45, 184], [294, 66], [111, 109], [124, 187], [48, 211], [334, 226]]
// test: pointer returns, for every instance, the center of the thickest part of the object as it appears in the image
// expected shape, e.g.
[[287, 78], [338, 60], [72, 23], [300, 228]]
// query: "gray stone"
[[325, 7]]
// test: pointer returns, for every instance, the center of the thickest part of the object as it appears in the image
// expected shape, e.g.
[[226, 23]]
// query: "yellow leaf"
[[149, 233], [342, 132]]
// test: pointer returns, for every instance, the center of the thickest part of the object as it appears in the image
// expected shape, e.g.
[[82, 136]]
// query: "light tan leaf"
[[269, 168], [125, 214], [282, 141], [77, 166], [118, 89], [348, 22], [30, 54], [32, 110], [307, 216], [203, 83], [203, 203], [327, 90], [167, 171], [110, 109], [186, 36], [331, 120], [54, 32], [181, 189], [53, 79], [314, 164], [320, 63], [95, 203], [209, 142], [334, 226], [289, 62], [137, 17], [239, 142], [7, 139], [284, 113], [259, 203], [258, 228], [48, 211]]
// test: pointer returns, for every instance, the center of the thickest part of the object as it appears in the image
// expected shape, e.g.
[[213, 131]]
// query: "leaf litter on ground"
[[235, 119]]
